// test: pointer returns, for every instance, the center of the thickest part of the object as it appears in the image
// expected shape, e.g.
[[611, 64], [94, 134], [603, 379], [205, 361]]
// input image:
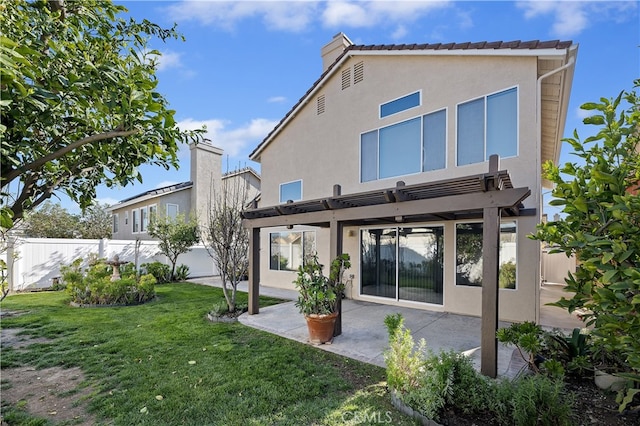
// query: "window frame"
[[166, 209], [135, 225], [144, 219], [303, 234], [288, 183], [380, 106], [115, 223], [485, 98]]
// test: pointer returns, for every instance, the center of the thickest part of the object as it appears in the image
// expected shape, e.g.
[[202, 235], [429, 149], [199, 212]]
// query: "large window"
[[144, 219], [401, 104], [469, 254], [488, 126], [135, 220], [403, 263], [288, 250], [115, 220], [404, 148], [291, 191]]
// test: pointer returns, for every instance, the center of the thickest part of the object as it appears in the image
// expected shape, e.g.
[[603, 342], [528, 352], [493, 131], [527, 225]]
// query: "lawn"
[[164, 363]]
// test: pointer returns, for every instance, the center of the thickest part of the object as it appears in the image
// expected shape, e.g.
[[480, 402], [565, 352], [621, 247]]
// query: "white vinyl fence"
[[556, 267], [33, 263]]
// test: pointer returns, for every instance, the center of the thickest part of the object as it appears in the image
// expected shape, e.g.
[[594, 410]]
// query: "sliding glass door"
[[403, 263]]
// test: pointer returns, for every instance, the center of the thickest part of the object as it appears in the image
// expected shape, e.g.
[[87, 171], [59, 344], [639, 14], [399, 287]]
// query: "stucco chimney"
[[333, 49], [206, 171]]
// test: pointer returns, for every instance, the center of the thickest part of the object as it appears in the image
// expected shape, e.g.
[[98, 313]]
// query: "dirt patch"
[[53, 393]]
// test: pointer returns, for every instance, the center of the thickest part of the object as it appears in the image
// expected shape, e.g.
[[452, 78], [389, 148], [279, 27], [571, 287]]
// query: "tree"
[[601, 226], [54, 221], [79, 102], [226, 240], [175, 235], [51, 221]]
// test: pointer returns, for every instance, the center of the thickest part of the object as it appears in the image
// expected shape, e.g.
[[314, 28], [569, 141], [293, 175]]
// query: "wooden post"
[[335, 250], [254, 271], [490, 274]]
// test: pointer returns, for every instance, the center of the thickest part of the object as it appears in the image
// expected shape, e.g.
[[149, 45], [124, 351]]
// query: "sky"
[[244, 64]]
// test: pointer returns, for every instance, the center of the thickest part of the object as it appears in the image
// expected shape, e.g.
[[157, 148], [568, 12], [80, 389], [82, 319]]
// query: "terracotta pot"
[[608, 381], [321, 327]]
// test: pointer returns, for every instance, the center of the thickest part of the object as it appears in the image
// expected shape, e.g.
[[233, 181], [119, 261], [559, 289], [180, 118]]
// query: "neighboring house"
[[422, 114], [131, 216]]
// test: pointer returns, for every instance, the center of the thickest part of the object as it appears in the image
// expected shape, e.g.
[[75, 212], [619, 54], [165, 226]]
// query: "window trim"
[[455, 252], [287, 183], [418, 92], [485, 97]]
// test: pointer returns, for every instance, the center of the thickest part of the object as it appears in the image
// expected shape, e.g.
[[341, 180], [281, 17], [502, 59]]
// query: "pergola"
[[488, 196]]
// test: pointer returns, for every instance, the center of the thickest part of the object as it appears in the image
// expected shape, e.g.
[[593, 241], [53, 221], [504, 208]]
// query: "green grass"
[[241, 376]]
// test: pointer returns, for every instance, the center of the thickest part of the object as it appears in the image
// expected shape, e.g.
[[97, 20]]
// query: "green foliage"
[[527, 337], [601, 224], [403, 360], [80, 105], [160, 271], [94, 287], [540, 401], [318, 294], [175, 235], [182, 273], [507, 276]]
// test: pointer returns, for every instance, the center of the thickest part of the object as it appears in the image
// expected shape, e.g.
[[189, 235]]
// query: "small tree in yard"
[[175, 235], [224, 237], [601, 202]]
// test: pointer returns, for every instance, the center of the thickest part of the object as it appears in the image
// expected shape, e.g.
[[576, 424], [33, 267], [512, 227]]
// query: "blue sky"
[[244, 64]]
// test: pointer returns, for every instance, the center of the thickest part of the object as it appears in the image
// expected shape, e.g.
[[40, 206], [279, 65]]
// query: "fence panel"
[[33, 263]]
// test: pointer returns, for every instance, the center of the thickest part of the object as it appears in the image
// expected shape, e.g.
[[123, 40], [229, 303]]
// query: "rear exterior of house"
[[419, 114]]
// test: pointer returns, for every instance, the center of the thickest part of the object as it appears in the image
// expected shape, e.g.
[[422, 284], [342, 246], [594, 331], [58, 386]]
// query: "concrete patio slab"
[[364, 335]]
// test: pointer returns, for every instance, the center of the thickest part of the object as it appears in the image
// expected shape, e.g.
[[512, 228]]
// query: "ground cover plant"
[[164, 363]]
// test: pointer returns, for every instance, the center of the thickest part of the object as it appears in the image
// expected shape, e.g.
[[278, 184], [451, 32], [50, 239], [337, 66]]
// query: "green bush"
[[540, 401], [404, 362], [182, 273], [96, 288], [160, 271]]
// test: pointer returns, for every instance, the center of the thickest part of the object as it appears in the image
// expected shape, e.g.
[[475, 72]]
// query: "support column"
[[335, 250], [254, 271]]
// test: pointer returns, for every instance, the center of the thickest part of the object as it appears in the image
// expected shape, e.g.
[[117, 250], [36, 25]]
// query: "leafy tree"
[[52, 221], [226, 240], [175, 235], [79, 102], [601, 226], [96, 222]]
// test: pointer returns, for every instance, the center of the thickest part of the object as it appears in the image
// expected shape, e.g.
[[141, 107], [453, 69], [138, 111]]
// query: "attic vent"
[[320, 104], [358, 72], [346, 78]]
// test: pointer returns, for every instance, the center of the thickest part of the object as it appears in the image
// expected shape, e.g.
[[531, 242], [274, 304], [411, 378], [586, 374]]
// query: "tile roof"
[[482, 45]]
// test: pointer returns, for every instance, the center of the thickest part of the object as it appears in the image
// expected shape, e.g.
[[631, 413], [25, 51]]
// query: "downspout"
[[570, 63]]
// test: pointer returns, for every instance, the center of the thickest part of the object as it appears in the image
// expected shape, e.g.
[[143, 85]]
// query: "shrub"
[[182, 273], [540, 401], [403, 360], [160, 271], [96, 288]]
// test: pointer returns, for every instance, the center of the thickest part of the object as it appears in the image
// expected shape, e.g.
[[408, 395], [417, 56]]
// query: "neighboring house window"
[[401, 104], [404, 148], [135, 221], [488, 126], [469, 254], [403, 263], [291, 191], [144, 219], [115, 223], [126, 218], [153, 212], [172, 210], [288, 250]]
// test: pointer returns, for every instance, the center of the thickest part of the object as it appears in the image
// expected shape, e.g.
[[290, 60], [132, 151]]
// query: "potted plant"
[[319, 296]]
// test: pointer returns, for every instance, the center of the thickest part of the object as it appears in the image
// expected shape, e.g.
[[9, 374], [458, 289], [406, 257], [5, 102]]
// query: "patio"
[[364, 335]]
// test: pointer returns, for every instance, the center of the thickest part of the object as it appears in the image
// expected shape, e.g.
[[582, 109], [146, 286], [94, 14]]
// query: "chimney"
[[333, 49]]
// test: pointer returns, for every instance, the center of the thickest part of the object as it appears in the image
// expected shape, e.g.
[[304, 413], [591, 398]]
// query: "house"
[[423, 163], [131, 216]]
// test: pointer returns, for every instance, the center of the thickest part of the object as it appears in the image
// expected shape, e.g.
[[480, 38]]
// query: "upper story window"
[[144, 219], [488, 126], [401, 104], [172, 210], [291, 191], [115, 220], [135, 221], [153, 212], [412, 146]]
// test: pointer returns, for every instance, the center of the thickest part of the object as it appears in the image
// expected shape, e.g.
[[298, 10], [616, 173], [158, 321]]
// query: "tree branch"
[[67, 149]]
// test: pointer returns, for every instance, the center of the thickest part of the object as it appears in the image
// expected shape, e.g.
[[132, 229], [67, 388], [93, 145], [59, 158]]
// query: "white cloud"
[[400, 32], [287, 16], [571, 18], [359, 14], [169, 59], [106, 200], [584, 113], [276, 99], [232, 140]]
